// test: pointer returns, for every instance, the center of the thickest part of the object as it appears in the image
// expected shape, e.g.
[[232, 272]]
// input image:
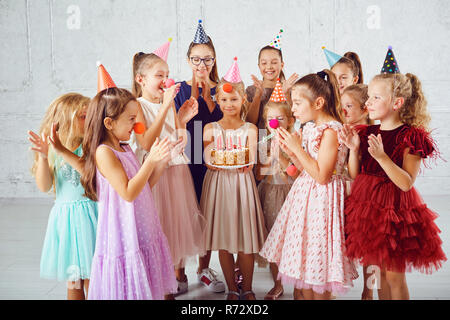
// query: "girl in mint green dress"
[[71, 230]]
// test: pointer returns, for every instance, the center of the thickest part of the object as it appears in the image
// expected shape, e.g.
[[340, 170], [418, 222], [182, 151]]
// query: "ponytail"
[[351, 60]]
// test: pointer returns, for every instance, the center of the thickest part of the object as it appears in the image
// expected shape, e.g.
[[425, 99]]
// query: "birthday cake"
[[232, 154]]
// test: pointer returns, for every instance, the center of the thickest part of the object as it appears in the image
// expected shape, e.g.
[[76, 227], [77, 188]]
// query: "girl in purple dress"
[[132, 259]]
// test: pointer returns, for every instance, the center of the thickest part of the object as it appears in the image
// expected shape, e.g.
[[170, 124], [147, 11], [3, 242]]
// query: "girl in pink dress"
[[307, 239]]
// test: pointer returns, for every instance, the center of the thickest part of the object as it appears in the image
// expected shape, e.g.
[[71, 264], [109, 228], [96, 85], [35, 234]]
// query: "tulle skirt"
[[69, 242], [391, 228], [179, 214]]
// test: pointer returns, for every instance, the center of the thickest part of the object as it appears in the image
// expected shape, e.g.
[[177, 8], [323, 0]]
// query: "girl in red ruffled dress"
[[388, 226]]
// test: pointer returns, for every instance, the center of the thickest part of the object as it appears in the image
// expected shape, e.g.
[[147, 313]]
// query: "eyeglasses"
[[197, 61]]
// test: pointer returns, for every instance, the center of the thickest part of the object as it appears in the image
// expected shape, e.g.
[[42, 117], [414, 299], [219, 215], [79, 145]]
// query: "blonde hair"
[[281, 106], [359, 92], [239, 87], [414, 110], [63, 111], [141, 63]]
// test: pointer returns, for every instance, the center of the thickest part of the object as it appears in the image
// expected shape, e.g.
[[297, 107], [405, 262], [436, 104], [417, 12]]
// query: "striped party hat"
[[276, 42], [200, 34], [163, 51], [104, 80], [332, 57], [277, 93], [233, 75], [390, 64]]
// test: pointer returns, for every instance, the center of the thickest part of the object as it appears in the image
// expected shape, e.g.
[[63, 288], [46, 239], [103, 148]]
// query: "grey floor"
[[22, 228]]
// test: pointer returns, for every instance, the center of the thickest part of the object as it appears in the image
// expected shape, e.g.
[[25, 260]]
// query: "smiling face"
[[344, 75], [152, 79], [352, 111], [279, 113], [122, 127], [302, 108], [230, 103], [270, 64], [201, 68]]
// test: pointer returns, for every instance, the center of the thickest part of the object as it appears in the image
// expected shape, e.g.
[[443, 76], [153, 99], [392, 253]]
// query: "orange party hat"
[[104, 80], [277, 93]]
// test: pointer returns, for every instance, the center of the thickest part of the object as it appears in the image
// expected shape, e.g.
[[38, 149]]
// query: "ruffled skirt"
[[391, 228], [69, 242]]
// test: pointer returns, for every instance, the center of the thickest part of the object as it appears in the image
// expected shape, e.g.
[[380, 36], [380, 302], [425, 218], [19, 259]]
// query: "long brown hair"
[[141, 62], [282, 77], [107, 103], [327, 88], [351, 60], [213, 75], [414, 110], [63, 111]]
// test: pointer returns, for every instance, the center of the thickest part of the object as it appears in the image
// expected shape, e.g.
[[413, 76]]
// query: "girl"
[[70, 238], [230, 202], [132, 258], [275, 184], [307, 239], [179, 215], [270, 63], [201, 57], [348, 71], [388, 225], [353, 105], [354, 111]]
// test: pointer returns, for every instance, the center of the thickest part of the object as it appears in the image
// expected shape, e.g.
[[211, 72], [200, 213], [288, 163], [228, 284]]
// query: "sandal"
[[238, 278], [246, 294], [237, 294], [273, 294]]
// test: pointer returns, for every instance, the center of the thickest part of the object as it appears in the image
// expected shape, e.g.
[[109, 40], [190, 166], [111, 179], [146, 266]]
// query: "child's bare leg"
[[322, 296], [75, 290], [180, 274], [384, 291], [298, 294], [247, 265], [203, 262], [226, 260], [86, 288], [367, 293], [308, 294], [397, 284], [277, 289]]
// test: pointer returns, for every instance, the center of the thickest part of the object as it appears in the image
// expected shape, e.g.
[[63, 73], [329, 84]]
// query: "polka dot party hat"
[[276, 42], [200, 34], [233, 75], [104, 80], [163, 51], [332, 57], [277, 93], [390, 64]]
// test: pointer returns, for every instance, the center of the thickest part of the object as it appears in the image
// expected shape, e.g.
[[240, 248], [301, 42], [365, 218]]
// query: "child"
[[132, 258], [387, 223], [354, 112], [179, 215], [275, 184], [270, 63], [307, 239], [230, 202], [348, 71], [70, 238], [201, 57]]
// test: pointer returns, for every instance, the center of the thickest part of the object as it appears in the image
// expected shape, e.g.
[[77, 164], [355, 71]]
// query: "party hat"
[[104, 80], [390, 63], [200, 34], [277, 93], [332, 57], [163, 51], [276, 42], [233, 75]]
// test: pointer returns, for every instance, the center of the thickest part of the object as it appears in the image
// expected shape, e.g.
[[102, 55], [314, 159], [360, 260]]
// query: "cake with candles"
[[232, 153]]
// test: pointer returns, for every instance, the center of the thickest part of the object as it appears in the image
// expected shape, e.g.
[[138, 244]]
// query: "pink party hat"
[[233, 75], [277, 93], [163, 51]]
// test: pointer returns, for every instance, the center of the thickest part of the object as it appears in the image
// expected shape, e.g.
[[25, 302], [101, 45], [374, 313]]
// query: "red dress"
[[384, 225]]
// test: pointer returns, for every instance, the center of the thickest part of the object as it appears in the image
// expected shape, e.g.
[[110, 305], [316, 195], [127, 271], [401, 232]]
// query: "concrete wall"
[[51, 47]]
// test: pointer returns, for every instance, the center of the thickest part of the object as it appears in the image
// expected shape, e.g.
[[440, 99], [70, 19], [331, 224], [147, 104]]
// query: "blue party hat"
[[390, 64], [200, 34], [332, 57]]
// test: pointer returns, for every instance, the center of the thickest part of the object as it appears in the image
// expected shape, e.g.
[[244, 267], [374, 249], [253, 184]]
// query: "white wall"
[[51, 47]]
